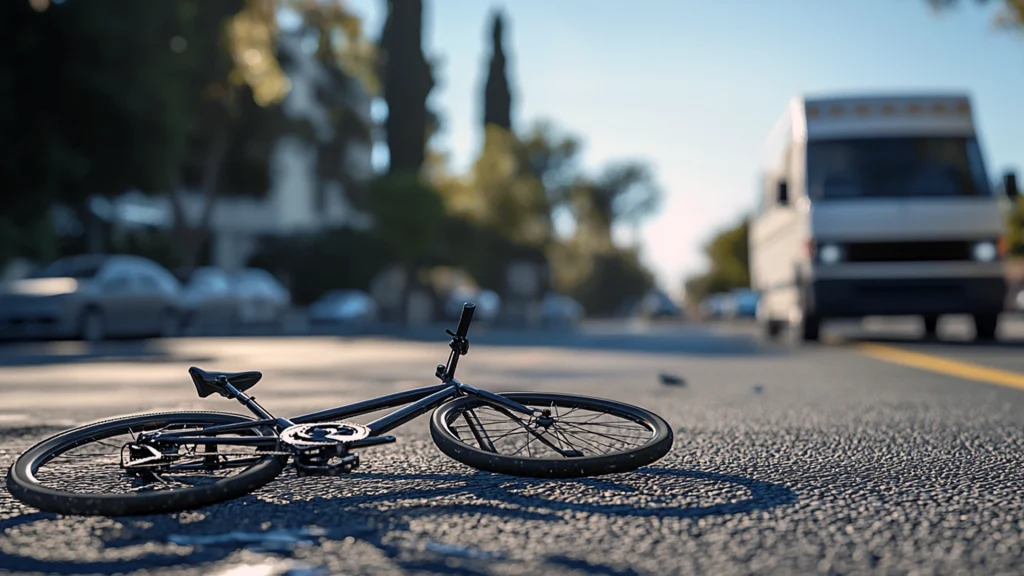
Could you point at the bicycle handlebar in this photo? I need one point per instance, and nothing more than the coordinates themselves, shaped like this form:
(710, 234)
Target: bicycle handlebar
(464, 320)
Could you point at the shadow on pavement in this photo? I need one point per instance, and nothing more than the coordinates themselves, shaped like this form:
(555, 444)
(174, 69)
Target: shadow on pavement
(381, 518)
(44, 353)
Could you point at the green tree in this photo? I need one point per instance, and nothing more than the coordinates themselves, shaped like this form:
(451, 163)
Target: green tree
(85, 108)
(624, 192)
(349, 62)
(510, 199)
(552, 157)
(1010, 15)
(231, 84)
(407, 79)
(410, 217)
(497, 96)
(728, 264)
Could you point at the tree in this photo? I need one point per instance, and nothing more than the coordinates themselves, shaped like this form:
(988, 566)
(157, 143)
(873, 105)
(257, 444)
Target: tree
(511, 200)
(728, 261)
(1009, 17)
(349, 62)
(410, 217)
(625, 192)
(497, 97)
(551, 157)
(407, 79)
(86, 106)
(232, 88)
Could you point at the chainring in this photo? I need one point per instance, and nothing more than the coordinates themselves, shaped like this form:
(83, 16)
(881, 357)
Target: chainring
(323, 434)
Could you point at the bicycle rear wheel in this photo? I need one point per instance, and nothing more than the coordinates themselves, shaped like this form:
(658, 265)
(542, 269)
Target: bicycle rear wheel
(79, 471)
(579, 436)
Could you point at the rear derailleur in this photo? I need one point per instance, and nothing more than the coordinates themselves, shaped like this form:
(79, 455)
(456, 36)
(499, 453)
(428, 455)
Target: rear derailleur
(325, 448)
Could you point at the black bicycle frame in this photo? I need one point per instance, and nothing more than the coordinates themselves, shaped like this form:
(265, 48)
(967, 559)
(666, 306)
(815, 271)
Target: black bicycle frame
(414, 404)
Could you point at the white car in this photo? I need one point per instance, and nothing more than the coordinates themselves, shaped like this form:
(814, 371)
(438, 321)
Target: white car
(209, 301)
(262, 299)
(93, 297)
(560, 310)
(488, 303)
(343, 307)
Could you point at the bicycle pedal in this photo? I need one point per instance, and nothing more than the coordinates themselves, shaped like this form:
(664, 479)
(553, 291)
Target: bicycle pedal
(346, 465)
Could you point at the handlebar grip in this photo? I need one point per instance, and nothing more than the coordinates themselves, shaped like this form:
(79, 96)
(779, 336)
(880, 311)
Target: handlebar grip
(467, 316)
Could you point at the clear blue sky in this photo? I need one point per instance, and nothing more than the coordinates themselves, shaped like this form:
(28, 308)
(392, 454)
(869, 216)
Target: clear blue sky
(693, 86)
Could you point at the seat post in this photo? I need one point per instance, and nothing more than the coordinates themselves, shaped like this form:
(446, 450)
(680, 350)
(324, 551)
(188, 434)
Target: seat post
(249, 402)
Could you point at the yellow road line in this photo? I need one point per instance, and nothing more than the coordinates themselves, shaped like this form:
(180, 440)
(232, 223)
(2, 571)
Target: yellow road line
(965, 370)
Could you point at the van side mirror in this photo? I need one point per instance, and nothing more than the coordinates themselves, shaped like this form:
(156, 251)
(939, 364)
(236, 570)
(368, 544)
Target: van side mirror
(783, 193)
(1010, 185)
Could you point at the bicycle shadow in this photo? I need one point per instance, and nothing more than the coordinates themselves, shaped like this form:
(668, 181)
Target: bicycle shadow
(380, 515)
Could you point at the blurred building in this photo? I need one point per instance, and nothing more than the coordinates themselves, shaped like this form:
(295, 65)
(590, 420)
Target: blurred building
(291, 205)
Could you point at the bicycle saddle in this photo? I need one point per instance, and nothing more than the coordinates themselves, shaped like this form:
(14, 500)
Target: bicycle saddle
(209, 382)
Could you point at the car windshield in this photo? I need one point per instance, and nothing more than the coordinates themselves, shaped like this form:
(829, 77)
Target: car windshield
(895, 167)
(78, 267)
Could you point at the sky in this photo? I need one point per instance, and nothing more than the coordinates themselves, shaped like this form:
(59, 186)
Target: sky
(693, 86)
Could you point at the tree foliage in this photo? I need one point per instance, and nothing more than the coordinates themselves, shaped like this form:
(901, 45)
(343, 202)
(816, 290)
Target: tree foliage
(511, 199)
(1010, 15)
(497, 96)
(729, 264)
(625, 192)
(409, 214)
(407, 79)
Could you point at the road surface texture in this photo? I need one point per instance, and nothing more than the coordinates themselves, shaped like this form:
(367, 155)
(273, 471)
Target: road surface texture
(880, 455)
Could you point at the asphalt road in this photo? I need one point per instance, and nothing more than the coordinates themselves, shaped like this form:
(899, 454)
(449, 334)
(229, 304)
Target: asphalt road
(871, 453)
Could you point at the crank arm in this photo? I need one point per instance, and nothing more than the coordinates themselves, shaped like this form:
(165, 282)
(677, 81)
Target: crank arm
(370, 441)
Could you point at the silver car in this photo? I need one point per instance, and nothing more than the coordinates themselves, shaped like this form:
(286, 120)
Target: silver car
(210, 303)
(92, 297)
(343, 307)
(262, 299)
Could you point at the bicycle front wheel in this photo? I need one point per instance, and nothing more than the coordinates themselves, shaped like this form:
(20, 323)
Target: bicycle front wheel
(572, 437)
(80, 471)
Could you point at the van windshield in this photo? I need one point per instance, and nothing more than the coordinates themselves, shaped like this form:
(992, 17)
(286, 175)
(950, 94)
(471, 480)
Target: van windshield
(895, 167)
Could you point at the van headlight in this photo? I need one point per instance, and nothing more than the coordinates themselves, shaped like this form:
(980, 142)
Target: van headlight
(985, 252)
(830, 253)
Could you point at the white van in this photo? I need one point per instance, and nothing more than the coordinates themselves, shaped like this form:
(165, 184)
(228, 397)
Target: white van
(877, 205)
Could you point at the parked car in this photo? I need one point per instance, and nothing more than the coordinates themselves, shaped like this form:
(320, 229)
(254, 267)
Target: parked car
(718, 305)
(488, 303)
(262, 299)
(745, 303)
(343, 307)
(657, 304)
(560, 310)
(209, 301)
(93, 297)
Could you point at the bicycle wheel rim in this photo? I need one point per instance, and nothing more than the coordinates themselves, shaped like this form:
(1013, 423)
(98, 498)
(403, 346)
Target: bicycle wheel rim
(24, 485)
(453, 446)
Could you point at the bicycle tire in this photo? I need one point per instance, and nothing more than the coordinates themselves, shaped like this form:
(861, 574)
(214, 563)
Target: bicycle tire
(622, 461)
(22, 484)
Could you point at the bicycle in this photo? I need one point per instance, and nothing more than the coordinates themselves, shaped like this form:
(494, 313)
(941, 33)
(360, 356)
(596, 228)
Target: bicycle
(159, 450)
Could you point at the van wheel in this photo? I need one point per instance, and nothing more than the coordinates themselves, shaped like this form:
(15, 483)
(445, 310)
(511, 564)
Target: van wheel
(985, 326)
(810, 328)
